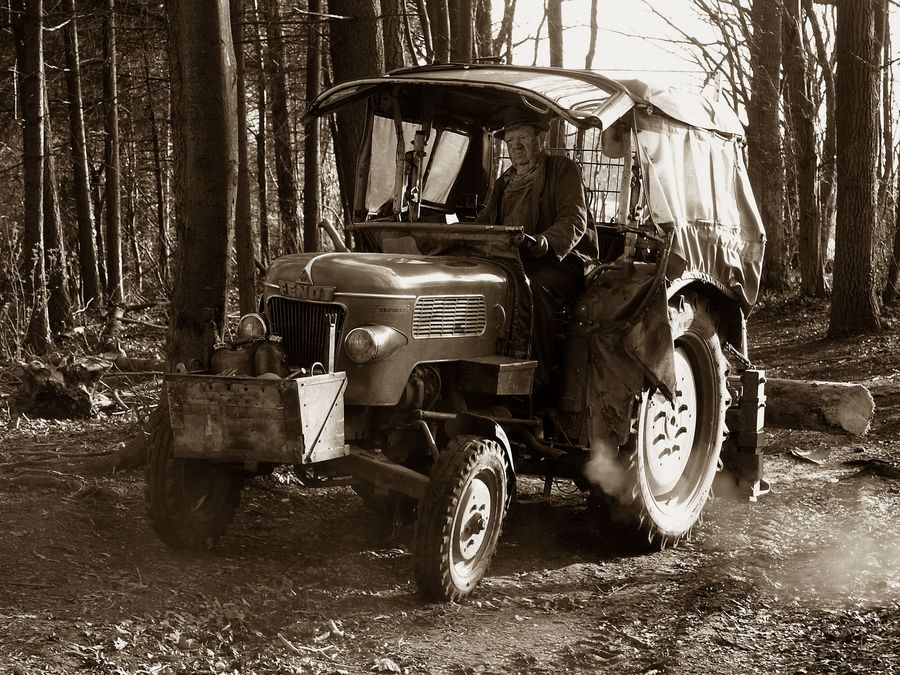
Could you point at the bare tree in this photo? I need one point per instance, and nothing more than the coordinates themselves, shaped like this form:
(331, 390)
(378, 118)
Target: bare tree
(311, 209)
(592, 44)
(484, 47)
(891, 290)
(159, 181)
(59, 301)
(765, 165)
(113, 240)
(503, 42)
(288, 202)
(356, 52)
(439, 18)
(243, 227)
(262, 186)
(29, 36)
(462, 43)
(425, 25)
(827, 156)
(205, 142)
(555, 32)
(854, 307)
(391, 33)
(84, 216)
(801, 115)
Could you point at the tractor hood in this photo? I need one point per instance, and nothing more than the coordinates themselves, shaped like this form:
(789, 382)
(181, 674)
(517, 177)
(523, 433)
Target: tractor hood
(379, 274)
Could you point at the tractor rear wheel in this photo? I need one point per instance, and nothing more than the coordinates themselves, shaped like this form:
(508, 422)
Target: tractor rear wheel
(673, 454)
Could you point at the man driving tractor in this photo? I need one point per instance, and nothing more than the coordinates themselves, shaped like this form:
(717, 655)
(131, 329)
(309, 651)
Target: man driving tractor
(544, 195)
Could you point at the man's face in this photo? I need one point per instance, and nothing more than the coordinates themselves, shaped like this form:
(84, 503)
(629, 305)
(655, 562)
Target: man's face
(524, 145)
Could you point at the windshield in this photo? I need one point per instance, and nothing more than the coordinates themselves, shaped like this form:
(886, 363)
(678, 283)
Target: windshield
(444, 150)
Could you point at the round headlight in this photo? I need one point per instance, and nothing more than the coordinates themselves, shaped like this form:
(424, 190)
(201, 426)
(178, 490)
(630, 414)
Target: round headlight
(251, 327)
(360, 345)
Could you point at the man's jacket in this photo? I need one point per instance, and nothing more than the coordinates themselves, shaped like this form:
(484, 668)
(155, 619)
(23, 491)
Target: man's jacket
(558, 208)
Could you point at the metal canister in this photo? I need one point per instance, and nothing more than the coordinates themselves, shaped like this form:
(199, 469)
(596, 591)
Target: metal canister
(270, 358)
(232, 360)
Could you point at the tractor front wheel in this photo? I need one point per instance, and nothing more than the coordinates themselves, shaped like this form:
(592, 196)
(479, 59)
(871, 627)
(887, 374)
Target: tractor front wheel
(460, 518)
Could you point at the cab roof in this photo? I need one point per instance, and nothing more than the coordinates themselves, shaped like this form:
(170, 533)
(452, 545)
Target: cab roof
(487, 94)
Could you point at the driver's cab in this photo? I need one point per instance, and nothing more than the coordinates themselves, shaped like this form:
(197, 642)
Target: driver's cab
(429, 154)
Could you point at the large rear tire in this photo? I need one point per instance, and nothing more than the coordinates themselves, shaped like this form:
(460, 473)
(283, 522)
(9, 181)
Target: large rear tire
(190, 502)
(673, 454)
(460, 518)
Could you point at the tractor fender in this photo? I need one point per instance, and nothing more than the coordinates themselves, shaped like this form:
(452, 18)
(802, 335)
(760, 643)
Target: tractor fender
(485, 426)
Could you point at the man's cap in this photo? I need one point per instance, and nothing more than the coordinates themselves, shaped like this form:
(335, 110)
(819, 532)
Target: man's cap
(519, 119)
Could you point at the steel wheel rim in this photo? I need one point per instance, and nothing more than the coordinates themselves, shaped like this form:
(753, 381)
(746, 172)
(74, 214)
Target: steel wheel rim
(671, 427)
(473, 524)
(675, 489)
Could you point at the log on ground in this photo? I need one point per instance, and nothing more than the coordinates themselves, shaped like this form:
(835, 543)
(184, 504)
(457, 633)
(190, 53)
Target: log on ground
(819, 406)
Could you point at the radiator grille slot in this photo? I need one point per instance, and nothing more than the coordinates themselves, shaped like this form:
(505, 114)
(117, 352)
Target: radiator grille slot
(445, 316)
(303, 327)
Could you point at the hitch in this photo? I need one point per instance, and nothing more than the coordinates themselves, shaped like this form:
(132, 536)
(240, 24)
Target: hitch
(742, 451)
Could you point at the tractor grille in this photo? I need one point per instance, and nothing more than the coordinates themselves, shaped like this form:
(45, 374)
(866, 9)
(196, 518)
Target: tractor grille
(447, 316)
(303, 327)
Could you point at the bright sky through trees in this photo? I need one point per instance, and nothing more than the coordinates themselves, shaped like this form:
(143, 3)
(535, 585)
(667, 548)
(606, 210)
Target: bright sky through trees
(620, 53)
(632, 40)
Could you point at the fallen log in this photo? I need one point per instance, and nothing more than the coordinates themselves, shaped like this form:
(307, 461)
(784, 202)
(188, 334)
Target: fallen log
(818, 406)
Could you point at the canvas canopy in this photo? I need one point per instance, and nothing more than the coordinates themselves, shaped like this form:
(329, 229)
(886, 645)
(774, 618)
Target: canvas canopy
(688, 147)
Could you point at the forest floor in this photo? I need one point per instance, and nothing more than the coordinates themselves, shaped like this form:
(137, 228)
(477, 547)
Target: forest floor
(806, 580)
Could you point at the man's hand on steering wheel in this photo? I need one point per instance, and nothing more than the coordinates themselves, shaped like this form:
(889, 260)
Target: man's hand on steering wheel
(537, 246)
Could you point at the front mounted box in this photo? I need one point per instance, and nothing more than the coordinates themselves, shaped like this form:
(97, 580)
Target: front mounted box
(252, 419)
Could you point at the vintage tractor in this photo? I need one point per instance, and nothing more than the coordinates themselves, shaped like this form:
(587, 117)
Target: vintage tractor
(405, 363)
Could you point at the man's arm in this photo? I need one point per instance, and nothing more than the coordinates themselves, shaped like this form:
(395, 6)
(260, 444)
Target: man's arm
(563, 203)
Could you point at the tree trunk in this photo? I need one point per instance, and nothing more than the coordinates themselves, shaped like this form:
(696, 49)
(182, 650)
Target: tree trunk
(802, 116)
(555, 32)
(113, 241)
(889, 295)
(162, 210)
(854, 307)
(827, 176)
(391, 34)
(425, 24)
(281, 132)
(765, 165)
(462, 46)
(204, 101)
(439, 18)
(59, 301)
(30, 37)
(503, 41)
(97, 172)
(886, 174)
(243, 227)
(592, 45)
(356, 52)
(87, 248)
(484, 48)
(262, 184)
(311, 155)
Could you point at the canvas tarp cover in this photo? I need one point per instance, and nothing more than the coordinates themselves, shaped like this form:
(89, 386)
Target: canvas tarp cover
(698, 192)
(630, 344)
(696, 183)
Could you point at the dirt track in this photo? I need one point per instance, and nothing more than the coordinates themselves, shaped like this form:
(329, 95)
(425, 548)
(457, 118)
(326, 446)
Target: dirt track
(806, 580)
